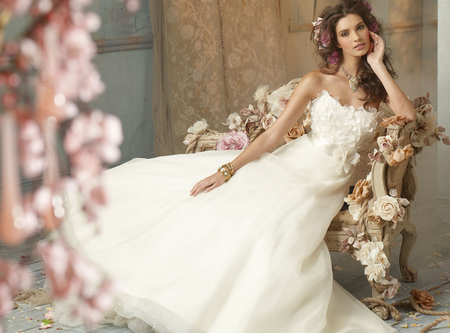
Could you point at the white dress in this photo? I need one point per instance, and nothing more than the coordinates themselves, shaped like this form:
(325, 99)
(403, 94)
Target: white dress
(247, 257)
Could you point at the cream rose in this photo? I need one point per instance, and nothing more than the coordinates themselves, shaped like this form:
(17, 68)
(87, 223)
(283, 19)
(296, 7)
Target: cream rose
(385, 143)
(268, 120)
(386, 207)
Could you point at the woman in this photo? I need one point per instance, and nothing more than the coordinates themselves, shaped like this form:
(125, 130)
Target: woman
(249, 257)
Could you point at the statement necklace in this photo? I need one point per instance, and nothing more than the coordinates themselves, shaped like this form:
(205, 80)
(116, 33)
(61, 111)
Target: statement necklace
(353, 81)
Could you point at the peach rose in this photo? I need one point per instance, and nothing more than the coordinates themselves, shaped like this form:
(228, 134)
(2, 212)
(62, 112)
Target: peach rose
(400, 155)
(295, 132)
(399, 120)
(362, 191)
(423, 298)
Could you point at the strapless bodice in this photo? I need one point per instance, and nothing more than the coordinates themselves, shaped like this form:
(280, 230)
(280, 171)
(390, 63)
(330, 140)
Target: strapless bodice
(340, 130)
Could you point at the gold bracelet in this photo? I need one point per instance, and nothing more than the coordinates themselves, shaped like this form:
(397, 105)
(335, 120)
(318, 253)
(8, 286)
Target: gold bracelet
(231, 168)
(226, 171)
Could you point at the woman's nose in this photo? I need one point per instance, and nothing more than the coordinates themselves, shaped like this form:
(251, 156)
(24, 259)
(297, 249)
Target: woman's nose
(356, 36)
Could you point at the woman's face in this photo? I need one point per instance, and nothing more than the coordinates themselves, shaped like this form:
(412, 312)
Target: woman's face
(353, 35)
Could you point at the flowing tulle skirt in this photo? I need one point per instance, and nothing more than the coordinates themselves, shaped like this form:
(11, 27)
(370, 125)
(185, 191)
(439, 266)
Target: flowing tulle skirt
(247, 257)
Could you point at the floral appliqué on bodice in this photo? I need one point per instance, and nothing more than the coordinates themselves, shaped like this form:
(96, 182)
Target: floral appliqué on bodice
(341, 130)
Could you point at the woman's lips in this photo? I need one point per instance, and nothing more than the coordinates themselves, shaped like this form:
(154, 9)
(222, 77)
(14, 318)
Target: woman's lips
(360, 46)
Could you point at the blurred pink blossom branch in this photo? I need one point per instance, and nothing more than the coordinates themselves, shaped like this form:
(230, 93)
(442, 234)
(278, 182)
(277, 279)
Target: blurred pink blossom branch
(46, 79)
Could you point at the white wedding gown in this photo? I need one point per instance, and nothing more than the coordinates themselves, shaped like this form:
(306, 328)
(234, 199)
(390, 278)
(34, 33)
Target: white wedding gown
(247, 257)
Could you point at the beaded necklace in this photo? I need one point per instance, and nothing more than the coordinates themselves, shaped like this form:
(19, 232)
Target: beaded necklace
(353, 81)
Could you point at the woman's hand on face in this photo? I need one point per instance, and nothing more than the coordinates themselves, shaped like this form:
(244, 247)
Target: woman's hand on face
(376, 50)
(208, 184)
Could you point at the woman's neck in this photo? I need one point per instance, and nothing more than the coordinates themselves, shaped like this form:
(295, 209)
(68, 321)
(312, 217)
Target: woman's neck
(352, 65)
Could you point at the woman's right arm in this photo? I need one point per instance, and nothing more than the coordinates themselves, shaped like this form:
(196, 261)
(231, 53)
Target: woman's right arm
(305, 91)
(302, 94)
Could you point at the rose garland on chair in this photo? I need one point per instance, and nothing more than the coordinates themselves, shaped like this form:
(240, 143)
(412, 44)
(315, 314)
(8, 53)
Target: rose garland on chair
(390, 208)
(250, 122)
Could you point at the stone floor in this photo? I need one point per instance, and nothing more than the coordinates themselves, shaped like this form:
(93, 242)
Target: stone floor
(430, 257)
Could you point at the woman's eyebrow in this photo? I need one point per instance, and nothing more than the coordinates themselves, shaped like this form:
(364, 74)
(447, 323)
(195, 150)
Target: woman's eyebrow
(355, 26)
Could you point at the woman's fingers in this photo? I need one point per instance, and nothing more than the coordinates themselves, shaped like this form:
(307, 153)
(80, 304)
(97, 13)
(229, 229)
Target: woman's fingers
(200, 186)
(212, 187)
(208, 184)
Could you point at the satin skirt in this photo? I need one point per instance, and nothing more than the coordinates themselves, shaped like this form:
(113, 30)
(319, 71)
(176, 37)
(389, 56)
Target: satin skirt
(247, 257)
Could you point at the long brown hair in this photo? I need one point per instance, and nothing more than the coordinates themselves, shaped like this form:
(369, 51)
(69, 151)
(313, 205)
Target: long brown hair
(331, 15)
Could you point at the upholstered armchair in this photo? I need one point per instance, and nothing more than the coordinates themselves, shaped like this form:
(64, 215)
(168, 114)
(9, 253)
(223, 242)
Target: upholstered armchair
(378, 208)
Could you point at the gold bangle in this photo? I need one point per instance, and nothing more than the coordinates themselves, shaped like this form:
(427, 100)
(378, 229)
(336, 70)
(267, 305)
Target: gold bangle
(225, 170)
(231, 168)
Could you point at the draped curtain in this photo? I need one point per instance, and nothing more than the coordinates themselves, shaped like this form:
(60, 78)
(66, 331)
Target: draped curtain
(209, 58)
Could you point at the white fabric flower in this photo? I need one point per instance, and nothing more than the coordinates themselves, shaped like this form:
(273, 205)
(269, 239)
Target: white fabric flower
(346, 159)
(375, 272)
(234, 122)
(393, 286)
(198, 127)
(378, 256)
(363, 255)
(386, 207)
(354, 209)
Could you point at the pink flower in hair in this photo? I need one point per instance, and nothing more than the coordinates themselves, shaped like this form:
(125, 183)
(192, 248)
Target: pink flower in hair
(366, 4)
(373, 27)
(325, 39)
(334, 58)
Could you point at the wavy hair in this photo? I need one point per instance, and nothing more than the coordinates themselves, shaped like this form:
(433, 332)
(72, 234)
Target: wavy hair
(326, 41)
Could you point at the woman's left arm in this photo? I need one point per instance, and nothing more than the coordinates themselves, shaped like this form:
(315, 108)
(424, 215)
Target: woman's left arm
(397, 100)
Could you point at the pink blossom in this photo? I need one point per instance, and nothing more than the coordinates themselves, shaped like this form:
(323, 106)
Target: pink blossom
(49, 315)
(132, 5)
(32, 149)
(334, 57)
(373, 27)
(234, 140)
(13, 278)
(18, 7)
(92, 21)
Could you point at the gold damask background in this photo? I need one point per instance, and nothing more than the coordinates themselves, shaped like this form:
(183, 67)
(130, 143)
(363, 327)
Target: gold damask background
(213, 55)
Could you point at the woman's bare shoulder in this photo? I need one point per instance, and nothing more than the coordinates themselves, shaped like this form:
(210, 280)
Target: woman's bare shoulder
(313, 82)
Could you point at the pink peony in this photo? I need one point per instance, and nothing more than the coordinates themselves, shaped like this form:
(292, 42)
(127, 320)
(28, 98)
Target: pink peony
(373, 27)
(234, 140)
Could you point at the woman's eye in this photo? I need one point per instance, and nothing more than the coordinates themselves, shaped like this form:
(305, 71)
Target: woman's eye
(361, 27)
(344, 34)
